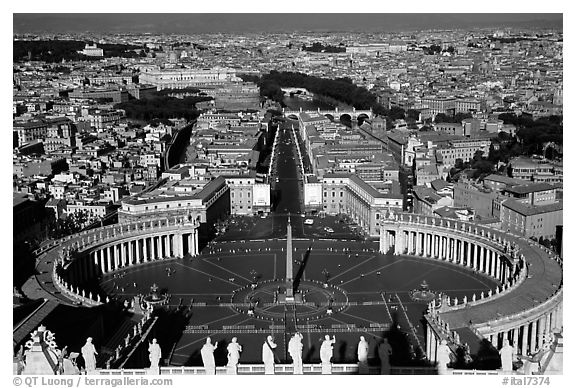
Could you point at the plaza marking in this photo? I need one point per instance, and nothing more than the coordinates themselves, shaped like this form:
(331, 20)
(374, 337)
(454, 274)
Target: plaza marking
(207, 274)
(363, 319)
(225, 269)
(274, 267)
(354, 266)
(454, 268)
(208, 323)
(376, 270)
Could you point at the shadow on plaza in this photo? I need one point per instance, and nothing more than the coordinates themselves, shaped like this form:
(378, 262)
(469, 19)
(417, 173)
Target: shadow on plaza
(302, 268)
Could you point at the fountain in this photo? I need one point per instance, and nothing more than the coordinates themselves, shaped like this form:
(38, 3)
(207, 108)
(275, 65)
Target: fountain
(154, 298)
(422, 294)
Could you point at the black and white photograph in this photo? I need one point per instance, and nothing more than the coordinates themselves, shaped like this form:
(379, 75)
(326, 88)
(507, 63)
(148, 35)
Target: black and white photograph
(266, 191)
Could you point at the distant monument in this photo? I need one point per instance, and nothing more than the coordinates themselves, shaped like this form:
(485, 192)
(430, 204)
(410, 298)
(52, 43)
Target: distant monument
(290, 296)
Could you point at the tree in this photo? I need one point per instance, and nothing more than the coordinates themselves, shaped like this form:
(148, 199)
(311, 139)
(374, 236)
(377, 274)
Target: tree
(413, 114)
(441, 118)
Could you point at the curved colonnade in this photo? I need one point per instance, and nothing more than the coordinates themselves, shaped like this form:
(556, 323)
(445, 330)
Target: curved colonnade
(85, 256)
(524, 309)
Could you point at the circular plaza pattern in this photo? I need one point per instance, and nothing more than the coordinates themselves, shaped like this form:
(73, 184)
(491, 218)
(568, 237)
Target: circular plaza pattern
(367, 293)
(318, 300)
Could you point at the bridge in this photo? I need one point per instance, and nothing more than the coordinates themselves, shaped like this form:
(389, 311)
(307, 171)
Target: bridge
(336, 113)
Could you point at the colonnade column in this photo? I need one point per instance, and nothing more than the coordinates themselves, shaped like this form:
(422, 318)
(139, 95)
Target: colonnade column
(109, 254)
(533, 337)
(130, 253)
(95, 261)
(524, 340)
(100, 254)
(117, 255)
(540, 340)
(515, 339)
(145, 248)
(153, 248)
(548, 323)
(167, 252)
(125, 254)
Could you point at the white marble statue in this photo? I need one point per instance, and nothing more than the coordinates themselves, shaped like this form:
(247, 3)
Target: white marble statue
(326, 352)
(234, 349)
(295, 347)
(507, 357)
(268, 355)
(207, 353)
(155, 353)
(363, 350)
(89, 354)
(443, 356)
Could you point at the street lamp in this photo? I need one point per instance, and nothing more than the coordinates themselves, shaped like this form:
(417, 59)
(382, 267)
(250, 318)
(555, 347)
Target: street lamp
(326, 277)
(254, 275)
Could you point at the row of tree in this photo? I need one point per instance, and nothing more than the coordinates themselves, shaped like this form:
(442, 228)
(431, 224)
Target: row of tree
(58, 50)
(534, 134)
(162, 107)
(340, 89)
(320, 48)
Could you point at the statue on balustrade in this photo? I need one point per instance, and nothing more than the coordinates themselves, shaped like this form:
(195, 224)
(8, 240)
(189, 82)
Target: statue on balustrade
(207, 353)
(295, 347)
(268, 355)
(507, 357)
(89, 354)
(155, 354)
(443, 357)
(362, 355)
(326, 352)
(384, 352)
(234, 349)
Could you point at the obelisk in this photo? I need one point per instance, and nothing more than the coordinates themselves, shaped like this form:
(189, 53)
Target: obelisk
(289, 271)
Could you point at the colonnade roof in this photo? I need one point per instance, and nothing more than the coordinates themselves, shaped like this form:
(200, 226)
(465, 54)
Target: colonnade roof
(543, 282)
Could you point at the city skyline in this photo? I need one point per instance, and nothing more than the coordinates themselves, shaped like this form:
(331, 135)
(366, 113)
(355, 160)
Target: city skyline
(365, 193)
(198, 23)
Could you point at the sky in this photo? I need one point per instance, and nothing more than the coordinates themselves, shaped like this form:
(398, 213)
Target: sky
(273, 22)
